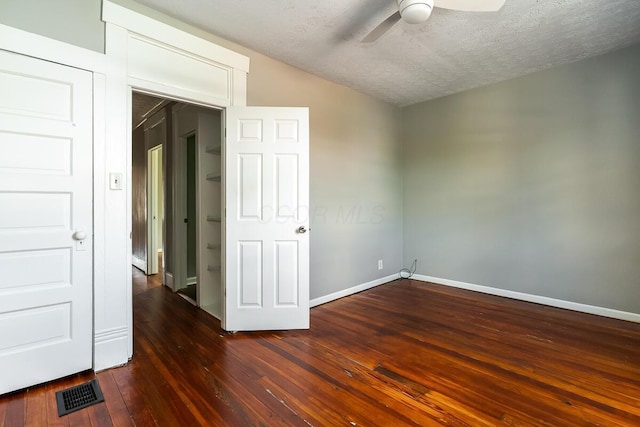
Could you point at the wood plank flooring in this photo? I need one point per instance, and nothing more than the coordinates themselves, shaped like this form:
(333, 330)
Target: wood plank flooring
(404, 353)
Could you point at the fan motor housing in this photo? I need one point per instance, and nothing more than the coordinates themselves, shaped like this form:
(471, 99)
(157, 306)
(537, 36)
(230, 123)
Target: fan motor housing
(415, 11)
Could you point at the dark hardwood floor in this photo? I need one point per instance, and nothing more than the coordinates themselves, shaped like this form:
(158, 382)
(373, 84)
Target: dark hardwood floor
(405, 353)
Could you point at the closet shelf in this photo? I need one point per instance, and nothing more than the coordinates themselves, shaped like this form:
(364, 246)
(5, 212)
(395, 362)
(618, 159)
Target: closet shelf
(213, 149)
(213, 177)
(212, 218)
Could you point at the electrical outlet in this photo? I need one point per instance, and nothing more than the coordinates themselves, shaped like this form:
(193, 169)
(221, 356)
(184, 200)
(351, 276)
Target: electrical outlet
(380, 264)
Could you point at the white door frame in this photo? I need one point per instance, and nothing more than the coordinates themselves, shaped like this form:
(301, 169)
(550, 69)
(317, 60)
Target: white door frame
(149, 56)
(179, 208)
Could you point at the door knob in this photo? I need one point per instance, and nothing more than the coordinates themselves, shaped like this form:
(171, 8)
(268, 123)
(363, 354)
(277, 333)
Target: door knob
(79, 235)
(301, 229)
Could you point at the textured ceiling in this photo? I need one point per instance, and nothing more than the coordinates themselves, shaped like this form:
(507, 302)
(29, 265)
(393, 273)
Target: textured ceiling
(451, 52)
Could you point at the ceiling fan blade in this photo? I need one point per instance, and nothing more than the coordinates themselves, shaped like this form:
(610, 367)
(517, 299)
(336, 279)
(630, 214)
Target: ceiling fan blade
(382, 28)
(471, 5)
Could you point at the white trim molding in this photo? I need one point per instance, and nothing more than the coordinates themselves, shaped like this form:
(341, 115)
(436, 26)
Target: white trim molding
(352, 290)
(137, 22)
(139, 263)
(112, 347)
(569, 305)
(173, 62)
(168, 280)
(148, 55)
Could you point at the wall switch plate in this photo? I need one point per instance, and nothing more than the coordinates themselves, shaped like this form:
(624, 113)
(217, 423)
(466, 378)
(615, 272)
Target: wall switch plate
(115, 181)
(380, 264)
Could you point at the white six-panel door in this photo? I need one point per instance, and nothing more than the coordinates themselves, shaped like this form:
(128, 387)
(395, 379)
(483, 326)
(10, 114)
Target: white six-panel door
(45, 221)
(267, 217)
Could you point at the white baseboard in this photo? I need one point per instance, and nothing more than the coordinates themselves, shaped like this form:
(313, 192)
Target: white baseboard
(168, 279)
(350, 291)
(139, 263)
(569, 305)
(111, 348)
(192, 280)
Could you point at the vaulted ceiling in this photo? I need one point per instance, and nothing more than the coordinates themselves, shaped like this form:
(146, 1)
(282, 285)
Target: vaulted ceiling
(451, 52)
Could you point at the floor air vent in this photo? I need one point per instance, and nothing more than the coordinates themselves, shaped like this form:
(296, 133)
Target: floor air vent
(78, 397)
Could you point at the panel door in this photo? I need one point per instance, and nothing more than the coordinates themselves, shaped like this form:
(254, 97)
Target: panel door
(45, 221)
(267, 217)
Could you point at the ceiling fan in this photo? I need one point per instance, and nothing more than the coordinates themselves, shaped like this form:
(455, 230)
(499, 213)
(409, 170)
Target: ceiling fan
(418, 11)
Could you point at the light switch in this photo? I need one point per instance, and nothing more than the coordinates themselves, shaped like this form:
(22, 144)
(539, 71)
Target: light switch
(115, 181)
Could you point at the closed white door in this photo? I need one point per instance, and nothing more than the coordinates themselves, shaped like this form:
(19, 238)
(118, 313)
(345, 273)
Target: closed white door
(45, 221)
(266, 224)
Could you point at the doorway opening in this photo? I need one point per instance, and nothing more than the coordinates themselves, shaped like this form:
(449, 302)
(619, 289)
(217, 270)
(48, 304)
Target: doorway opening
(177, 197)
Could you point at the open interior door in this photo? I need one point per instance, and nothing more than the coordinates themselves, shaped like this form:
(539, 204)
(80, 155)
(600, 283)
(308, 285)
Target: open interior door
(46, 208)
(267, 216)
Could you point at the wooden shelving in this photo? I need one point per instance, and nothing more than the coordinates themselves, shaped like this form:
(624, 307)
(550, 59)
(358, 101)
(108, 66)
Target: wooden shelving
(212, 255)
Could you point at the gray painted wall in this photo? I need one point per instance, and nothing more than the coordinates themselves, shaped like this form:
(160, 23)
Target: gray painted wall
(531, 185)
(75, 22)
